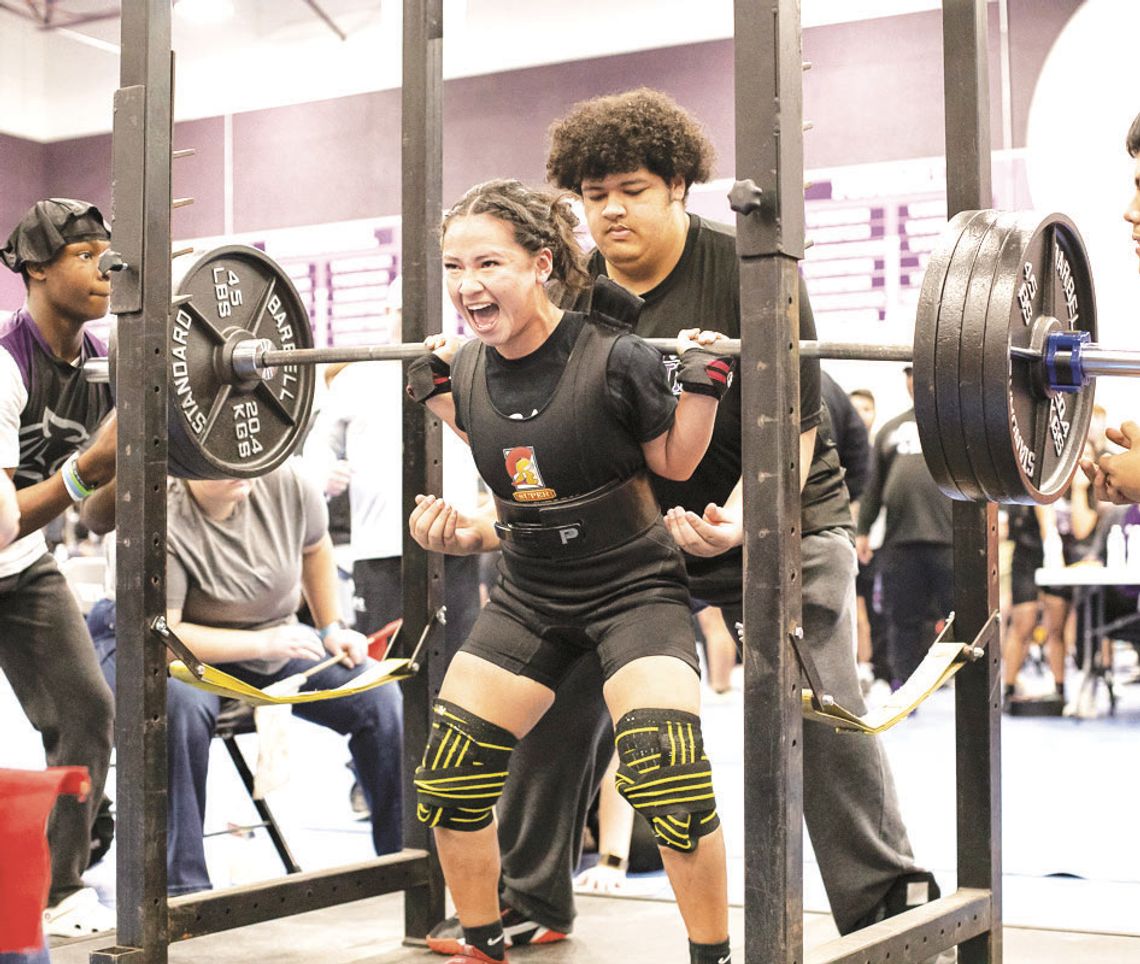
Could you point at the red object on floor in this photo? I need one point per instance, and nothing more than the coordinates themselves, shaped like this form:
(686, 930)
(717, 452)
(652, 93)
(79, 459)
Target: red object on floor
(472, 955)
(26, 800)
(381, 641)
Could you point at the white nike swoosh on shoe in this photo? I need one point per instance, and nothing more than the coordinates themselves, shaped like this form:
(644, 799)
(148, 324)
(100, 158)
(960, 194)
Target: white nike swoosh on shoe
(493, 941)
(724, 960)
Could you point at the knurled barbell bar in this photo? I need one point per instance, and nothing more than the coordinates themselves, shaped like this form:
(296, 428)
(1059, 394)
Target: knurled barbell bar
(1003, 358)
(255, 356)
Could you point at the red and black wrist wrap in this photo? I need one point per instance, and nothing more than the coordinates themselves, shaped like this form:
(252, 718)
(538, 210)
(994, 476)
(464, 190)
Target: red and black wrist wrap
(428, 376)
(704, 372)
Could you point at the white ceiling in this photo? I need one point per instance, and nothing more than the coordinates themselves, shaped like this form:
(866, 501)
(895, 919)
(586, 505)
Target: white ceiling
(59, 83)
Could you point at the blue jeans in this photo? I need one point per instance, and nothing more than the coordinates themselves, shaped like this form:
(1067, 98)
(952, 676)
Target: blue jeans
(373, 722)
(25, 957)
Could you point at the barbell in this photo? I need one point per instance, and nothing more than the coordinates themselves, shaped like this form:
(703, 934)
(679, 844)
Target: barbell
(1004, 360)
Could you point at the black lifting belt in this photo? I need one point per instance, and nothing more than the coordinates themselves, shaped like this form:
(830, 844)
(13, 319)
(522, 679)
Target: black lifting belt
(584, 526)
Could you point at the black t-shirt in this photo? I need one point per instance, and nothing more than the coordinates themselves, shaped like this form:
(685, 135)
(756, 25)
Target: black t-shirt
(521, 387)
(851, 440)
(901, 484)
(703, 290)
(1024, 529)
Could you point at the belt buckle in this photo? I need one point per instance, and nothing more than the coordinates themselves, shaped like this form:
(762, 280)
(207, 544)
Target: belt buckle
(539, 537)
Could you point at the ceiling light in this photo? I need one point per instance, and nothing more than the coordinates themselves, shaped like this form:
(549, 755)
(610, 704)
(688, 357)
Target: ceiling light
(205, 11)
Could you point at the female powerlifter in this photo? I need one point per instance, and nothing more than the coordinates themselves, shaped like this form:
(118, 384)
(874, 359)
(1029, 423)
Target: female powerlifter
(564, 412)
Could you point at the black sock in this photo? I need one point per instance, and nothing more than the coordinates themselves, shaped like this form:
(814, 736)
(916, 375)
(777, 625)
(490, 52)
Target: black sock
(710, 953)
(488, 938)
(1060, 684)
(1010, 689)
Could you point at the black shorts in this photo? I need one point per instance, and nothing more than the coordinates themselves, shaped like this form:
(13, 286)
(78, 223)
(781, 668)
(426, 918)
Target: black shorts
(865, 581)
(624, 604)
(1023, 567)
(528, 644)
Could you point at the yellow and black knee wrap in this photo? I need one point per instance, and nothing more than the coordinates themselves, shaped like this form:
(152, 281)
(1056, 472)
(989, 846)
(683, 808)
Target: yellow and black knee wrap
(665, 776)
(463, 770)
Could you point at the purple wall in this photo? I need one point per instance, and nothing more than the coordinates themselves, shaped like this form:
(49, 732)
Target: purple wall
(21, 185)
(80, 168)
(22, 172)
(875, 93)
(201, 177)
(497, 124)
(339, 159)
(332, 160)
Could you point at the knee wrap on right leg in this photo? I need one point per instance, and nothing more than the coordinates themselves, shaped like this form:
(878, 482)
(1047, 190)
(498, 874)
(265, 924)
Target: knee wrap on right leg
(463, 770)
(665, 776)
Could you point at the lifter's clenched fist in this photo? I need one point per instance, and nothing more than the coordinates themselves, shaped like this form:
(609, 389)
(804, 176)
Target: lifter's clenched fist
(440, 527)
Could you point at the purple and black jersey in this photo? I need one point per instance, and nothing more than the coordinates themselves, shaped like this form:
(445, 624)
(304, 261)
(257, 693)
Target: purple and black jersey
(62, 408)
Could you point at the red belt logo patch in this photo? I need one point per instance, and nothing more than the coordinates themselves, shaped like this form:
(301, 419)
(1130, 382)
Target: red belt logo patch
(522, 470)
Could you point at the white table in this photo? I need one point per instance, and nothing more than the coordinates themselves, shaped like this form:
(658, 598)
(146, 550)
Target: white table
(1092, 580)
(1088, 575)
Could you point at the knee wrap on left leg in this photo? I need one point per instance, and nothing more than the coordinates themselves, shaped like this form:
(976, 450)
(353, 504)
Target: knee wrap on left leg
(463, 770)
(665, 776)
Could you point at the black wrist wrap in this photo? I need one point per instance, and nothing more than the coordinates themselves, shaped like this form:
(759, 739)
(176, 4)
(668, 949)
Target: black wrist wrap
(705, 373)
(428, 376)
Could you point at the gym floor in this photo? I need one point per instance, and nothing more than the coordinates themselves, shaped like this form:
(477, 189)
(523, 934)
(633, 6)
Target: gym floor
(1071, 851)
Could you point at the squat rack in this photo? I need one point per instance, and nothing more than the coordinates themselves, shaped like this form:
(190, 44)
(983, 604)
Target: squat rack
(769, 199)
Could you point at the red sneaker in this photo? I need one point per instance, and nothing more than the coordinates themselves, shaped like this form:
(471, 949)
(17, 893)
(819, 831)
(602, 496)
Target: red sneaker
(447, 936)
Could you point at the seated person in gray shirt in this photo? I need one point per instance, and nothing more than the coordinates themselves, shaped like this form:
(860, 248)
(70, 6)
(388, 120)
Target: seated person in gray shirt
(240, 554)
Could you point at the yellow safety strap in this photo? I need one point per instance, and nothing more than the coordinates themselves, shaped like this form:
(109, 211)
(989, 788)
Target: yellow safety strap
(216, 681)
(942, 661)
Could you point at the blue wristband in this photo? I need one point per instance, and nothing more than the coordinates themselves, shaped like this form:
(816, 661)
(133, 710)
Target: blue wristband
(77, 489)
(336, 624)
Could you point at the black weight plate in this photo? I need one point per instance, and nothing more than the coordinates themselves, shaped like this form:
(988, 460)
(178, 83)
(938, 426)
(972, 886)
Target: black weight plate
(219, 428)
(971, 373)
(950, 351)
(925, 341)
(195, 387)
(946, 423)
(1035, 438)
(999, 365)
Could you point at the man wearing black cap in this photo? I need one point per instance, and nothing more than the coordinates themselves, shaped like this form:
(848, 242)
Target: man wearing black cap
(56, 454)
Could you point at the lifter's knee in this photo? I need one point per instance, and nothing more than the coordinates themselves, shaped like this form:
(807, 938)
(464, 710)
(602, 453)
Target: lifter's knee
(665, 776)
(463, 770)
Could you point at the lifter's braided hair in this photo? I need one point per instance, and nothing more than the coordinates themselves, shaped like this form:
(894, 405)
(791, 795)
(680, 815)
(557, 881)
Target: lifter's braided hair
(619, 133)
(540, 219)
